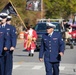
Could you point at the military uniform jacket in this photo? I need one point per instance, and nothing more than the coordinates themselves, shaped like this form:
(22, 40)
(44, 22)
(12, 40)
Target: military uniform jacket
(3, 39)
(13, 36)
(51, 46)
(11, 31)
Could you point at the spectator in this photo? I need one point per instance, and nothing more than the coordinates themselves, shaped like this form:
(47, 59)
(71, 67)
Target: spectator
(66, 25)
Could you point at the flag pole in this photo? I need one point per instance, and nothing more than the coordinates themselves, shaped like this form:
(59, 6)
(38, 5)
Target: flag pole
(17, 14)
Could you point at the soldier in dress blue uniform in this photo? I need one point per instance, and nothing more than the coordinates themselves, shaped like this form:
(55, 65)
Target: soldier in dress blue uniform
(13, 44)
(8, 54)
(13, 31)
(52, 47)
(3, 38)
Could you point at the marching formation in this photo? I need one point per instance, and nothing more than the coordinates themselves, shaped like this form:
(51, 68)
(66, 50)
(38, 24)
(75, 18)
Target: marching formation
(8, 39)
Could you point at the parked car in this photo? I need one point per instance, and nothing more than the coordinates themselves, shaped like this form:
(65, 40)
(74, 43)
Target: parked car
(41, 29)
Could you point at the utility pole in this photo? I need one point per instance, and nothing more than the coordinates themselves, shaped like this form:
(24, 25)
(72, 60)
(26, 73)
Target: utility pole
(41, 9)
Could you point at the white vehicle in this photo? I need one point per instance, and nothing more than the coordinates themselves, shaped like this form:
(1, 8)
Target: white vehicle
(50, 20)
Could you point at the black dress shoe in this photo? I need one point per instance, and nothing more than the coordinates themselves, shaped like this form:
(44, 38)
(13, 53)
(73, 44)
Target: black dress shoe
(32, 55)
(29, 54)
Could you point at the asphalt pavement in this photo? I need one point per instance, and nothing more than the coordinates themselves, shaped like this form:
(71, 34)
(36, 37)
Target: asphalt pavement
(33, 68)
(24, 65)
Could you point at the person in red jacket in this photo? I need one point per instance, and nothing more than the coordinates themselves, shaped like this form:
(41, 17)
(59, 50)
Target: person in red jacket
(30, 39)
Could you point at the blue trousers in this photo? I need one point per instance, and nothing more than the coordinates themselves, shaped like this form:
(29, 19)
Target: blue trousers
(8, 63)
(52, 68)
(1, 65)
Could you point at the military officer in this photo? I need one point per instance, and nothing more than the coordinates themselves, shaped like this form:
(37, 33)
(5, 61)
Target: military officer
(13, 44)
(3, 38)
(8, 54)
(13, 31)
(52, 47)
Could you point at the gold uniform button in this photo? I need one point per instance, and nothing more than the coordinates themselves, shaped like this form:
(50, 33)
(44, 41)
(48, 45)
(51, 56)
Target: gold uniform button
(49, 47)
(49, 44)
(49, 41)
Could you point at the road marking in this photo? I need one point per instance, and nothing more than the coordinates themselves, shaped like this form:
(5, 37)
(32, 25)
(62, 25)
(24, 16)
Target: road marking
(40, 66)
(37, 67)
(61, 67)
(15, 66)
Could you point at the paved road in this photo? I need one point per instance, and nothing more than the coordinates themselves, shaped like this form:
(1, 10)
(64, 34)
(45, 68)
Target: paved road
(24, 65)
(34, 68)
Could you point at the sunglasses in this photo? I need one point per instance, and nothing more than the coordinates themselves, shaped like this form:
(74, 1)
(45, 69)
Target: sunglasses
(48, 27)
(9, 19)
(3, 17)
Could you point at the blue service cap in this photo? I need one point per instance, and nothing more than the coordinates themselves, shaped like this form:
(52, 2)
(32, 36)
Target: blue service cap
(3, 15)
(50, 25)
